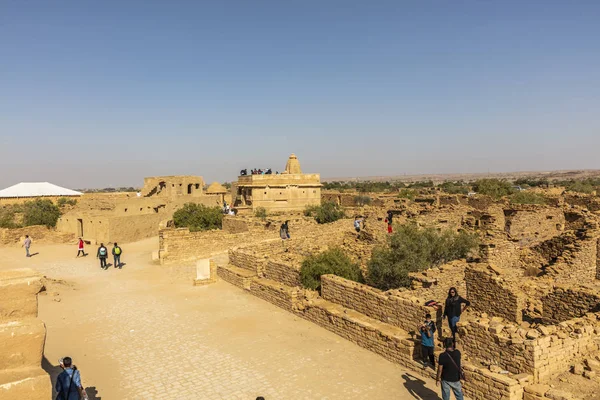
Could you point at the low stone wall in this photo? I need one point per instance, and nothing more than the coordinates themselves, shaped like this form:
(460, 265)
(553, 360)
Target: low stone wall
(247, 259)
(533, 223)
(565, 303)
(275, 293)
(488, 293)
(234, 225)
(404, 313)
(283, 273)
(577, 262)
(37, 233)
(482, 384)
(239, 277)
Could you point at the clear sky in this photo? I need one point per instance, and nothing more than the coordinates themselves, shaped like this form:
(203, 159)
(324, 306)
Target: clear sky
(103, 93)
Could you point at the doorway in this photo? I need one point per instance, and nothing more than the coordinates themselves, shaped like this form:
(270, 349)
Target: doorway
(80, 228)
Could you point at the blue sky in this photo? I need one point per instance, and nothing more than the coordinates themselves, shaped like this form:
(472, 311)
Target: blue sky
(103, 93)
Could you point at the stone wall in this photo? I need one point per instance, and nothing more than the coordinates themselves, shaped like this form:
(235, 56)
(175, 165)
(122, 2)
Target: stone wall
(286, 273)
(275, 293)
(577, 262)
(500, 252)
(133, 228)
(531, 223)
(22, 337)
(565, 303)
(37, 233)
(434, 283)
(405, 313)
(488, 293)
(234, 225)
(483, 384)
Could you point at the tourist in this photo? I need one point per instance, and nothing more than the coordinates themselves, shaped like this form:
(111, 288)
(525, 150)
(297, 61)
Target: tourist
(453, 309)
(427, 331)
(27, 245)
(68, 383)
(449, 371)
(80, 247)
(116, 252)
(357, 224)
(102, 254)
(389, 220)
(284, 231)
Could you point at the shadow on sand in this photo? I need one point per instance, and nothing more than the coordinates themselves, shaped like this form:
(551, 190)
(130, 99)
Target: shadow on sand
(417, 389)
(53, 371)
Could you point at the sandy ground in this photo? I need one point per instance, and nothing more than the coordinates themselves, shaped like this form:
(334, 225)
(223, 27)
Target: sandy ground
(144, 332)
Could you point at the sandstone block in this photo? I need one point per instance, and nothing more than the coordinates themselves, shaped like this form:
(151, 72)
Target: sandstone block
(532, 334)
(22, 343)
(18, 290)
(25, 384)
(556, 394)
(538, 389)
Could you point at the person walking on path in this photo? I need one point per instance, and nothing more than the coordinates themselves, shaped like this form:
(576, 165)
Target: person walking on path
(357, 225)
(427, 331)
(116, 252)
(68, 383)
(453, 309)
(27, 245)
(389, 220)
(449, 371)
(284, 231)
(80, 248)
(102, 254)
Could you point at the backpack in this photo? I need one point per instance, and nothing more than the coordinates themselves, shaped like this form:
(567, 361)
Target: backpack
(102, 251)
(117, 250)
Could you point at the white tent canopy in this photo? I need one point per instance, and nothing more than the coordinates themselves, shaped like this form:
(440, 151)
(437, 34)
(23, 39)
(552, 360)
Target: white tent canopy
(36, 189)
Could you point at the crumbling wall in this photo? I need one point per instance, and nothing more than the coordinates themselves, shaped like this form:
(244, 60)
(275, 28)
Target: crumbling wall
(234, 225)
(565, 303)
(500, 252)
(405, 313)
(489, 293)
(576, 262)
(286, 273)
(434, 283)
(531, 223)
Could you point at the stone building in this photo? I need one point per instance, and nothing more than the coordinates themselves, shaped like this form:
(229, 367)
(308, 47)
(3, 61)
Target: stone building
(101, 218)
(290, 190)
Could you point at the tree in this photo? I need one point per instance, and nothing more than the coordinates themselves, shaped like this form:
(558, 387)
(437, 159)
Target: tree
(333, 261)
(411, 249)
(325, 213)
(495, 188)
(198, 217)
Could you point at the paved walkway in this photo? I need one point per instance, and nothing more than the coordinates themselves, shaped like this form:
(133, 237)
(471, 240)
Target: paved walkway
(143, 332)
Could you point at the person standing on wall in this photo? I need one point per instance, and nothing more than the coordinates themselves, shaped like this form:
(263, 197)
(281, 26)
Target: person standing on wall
(450, 371)
(102, 254)
(80, 248)
(116, 252)
(453, 309)
(27, 245)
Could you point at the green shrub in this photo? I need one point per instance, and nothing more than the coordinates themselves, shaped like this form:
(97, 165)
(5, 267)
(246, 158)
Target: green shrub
(40, 212)
(327, 212)
(581, 187)
(454, 187)
(421, 185)
(495, 188)
(260, 212)
(362, 200)
(198, 217)
(309, 211)
(333, 261)
(528, 198)
(64, 201)
(411, 249)
(7, 217)
(408, 194)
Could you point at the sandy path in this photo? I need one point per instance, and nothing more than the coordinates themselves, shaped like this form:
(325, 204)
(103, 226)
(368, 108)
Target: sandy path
(144, 332)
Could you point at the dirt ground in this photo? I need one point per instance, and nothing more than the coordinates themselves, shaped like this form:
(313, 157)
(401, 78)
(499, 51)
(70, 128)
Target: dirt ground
(144, 332)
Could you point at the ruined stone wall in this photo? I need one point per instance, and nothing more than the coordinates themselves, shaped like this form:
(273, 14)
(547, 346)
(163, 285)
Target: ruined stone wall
(234, 225)
(490, 294)
(405, 313)
(133, 228)
(22, 337)
(286, 273)
(499, 252)
(482, 384)
(577, 262)
(434, 283)
(592, 203)
(37, 233)
(95, 227)
(531, 223)
(344, 199)
(565, 303)
(275, 293)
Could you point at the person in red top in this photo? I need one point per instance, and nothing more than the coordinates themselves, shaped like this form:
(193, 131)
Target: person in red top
(80, 248)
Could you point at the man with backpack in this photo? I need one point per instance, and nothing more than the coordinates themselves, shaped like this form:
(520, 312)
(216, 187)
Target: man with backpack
(68, 383)
(116, 252)
(450, 371)
(102, 254)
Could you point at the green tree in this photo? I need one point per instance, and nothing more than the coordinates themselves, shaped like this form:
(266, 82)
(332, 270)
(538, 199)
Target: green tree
(410, 249)
(495, 188)
(260, 212)
(528, 198)
(198, 217)
(40, 212)
(333, 261)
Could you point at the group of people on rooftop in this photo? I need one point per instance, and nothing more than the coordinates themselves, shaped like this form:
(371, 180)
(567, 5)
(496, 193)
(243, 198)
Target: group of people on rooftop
(258, 171)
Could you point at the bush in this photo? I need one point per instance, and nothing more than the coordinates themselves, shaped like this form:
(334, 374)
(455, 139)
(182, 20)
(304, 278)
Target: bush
(408, 194)
(581, 187)
(411, 249)
(495, 188)
(328, 212)
(528, 198)
(64, 201)
(309, 211)
(454, 187)
(260, 212)
(40, 212)
(362, 200)
(7, 217)
(333, 261)
(198, 217)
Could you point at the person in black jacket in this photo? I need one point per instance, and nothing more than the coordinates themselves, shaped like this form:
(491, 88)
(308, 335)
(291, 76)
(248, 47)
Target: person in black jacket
(454, 308)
